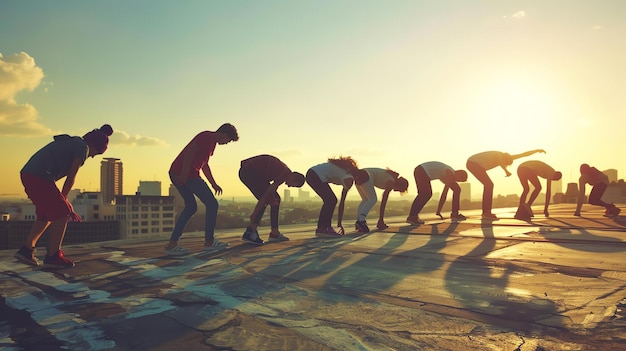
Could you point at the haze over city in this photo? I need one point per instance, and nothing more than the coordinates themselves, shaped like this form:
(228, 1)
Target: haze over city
(392, 84)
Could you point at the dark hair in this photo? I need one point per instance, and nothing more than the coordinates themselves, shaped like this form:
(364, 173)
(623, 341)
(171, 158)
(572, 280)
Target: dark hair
(229, 130)
(298, 179)
(403, 184)
(345, 162)
(99, 138)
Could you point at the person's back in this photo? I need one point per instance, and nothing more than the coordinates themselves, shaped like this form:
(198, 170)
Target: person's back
(593, 176)
(53, 161)
(540, 168)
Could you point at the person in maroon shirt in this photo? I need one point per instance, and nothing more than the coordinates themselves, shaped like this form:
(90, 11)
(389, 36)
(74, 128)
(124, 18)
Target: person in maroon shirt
(185, 175)
(599, 182)
(263, 174)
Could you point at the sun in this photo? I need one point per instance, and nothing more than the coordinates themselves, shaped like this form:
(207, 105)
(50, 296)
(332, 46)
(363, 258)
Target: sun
(515, 109)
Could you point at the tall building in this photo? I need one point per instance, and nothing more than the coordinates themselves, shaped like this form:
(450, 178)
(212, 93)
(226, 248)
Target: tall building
(303, 195)
(149, 187)
(110, 179)
(287, 196)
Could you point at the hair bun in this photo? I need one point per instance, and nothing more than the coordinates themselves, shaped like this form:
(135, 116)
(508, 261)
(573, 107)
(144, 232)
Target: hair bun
(106, 129)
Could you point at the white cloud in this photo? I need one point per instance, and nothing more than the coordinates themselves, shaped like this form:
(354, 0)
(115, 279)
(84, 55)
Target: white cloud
(123, 138)
(519, 14)
(19, 72)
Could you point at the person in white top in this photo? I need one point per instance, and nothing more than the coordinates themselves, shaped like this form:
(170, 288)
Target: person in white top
(381, 178)
(480, 163)
(529, 173)
(424, 174)
(341, 171)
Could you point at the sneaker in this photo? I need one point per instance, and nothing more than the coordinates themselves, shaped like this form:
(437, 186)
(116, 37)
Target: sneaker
(57, 260)
(612, 211)
(415, 220)
(457, 217)
(177, 251)
(361, 227)
(279, 238)
(328, 232)
(217, 245)
(26, 255)
(252, 236)
(490, 216)
(382, 226)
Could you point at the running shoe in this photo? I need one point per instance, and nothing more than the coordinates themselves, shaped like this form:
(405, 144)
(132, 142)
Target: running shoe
(279, 238)
(252, 237)
(177, 251)
(217, 245)
(361, 227)
(612, 211)
(327, 232)
(57, 260)
(457, 217)
(26, 255)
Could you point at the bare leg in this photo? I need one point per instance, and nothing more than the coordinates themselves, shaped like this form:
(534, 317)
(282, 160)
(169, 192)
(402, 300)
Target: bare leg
(39, 227)
(57, 233)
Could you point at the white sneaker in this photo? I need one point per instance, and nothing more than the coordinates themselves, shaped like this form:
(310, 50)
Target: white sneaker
(177, 251)
(217, 245)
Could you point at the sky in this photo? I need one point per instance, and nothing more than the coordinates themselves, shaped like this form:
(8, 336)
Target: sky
(390, 83)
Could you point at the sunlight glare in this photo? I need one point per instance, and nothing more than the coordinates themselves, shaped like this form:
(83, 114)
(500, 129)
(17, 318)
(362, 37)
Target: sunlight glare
(516, 108)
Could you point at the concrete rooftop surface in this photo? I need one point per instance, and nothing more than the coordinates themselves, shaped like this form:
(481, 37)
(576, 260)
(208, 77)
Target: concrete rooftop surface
(554, 283)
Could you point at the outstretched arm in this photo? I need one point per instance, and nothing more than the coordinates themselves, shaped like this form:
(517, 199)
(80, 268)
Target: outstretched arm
(527, 153)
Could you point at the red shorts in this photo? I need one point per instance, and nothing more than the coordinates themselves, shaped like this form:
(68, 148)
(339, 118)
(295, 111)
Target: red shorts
(50, 204)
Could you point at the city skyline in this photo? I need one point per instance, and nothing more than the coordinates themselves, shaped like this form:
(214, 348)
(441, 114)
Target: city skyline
(391, 84)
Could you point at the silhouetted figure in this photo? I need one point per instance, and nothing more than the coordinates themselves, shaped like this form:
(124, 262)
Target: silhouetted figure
(263, 174)
(599, 182)
(529, 173)
(185, 175)
(424, 174)
(480, 163)
(385, 179)
(341, 171)
(60, 158)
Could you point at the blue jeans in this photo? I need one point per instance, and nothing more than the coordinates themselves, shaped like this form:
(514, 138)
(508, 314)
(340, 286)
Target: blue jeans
(196, 187)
